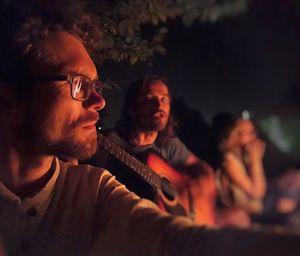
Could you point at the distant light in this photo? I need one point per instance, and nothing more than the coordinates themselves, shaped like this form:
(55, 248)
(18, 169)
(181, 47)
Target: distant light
(245, 114)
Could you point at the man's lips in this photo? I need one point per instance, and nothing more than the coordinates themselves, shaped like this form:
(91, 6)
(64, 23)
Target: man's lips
(159, 114)
(89, 125)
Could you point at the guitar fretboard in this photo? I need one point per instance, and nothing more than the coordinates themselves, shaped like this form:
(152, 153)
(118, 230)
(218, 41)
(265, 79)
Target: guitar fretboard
(144, 171)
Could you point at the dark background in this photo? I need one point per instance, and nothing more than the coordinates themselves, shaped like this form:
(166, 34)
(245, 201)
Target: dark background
(246, 62)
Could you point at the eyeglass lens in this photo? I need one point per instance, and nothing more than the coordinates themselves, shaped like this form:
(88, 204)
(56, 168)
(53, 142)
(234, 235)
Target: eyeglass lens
(82, 86)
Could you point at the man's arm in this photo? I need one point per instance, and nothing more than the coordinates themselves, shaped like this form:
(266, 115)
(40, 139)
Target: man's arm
(203, 190)
(198, 167)
(131, 226)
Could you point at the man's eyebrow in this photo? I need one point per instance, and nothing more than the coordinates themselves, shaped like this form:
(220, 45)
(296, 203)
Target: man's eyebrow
(86, 75)
(165, 94)
(96, 78)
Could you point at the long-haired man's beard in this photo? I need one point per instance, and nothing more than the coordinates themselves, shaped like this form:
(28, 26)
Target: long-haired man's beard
(159, 126)
(154, 125)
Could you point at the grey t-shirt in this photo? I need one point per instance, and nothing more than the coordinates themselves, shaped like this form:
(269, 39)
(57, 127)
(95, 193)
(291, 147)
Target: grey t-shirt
(175, 152)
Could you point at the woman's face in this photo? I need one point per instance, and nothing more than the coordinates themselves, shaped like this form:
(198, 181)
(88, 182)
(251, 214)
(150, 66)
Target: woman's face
(243, 133)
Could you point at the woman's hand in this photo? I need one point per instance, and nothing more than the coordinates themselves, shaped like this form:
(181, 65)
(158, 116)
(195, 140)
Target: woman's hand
(255, 150)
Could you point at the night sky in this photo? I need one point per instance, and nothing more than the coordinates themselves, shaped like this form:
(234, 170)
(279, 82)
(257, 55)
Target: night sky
(246, 62)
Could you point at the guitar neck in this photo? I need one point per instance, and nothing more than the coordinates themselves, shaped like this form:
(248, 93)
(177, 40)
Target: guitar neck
(144, 171)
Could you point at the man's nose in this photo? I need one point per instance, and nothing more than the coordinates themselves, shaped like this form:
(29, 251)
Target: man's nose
(96, 101)
(157, 102)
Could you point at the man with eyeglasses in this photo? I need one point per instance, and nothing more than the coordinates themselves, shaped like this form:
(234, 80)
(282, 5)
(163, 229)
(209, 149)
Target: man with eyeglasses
(49, 103)
(50, 100)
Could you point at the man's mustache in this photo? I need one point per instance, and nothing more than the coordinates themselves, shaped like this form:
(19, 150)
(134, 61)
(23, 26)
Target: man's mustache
(87, 118)
(160, 111)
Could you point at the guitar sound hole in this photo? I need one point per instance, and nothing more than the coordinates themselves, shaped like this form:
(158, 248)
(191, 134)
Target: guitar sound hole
(168, 189)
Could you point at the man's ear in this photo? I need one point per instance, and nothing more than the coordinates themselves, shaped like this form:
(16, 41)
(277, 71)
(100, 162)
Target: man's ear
(9, 107)
(132, 115)
(8, 102)
(131, 112)
(10, 110)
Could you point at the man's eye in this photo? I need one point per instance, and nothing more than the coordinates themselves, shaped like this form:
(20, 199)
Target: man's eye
(77, 83)
(165, 99)
(99, 89)
(147, 98)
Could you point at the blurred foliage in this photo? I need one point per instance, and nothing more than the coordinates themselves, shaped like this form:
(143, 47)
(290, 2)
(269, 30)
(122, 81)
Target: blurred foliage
(284, 132)
(126, 23)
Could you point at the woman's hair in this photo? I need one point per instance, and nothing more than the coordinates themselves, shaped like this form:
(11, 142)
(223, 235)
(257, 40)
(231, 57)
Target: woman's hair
(128, 122)
(222, 126)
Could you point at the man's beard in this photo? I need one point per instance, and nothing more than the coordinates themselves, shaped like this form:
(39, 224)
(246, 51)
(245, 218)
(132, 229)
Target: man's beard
(159, 126)
(155, 125)
(70, 148)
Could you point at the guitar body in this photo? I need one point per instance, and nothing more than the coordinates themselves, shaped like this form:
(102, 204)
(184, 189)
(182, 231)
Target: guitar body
(173, 191)
(176, 179)
(195, 195)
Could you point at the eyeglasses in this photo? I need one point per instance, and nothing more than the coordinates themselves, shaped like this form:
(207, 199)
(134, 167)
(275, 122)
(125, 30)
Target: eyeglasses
(81, 86)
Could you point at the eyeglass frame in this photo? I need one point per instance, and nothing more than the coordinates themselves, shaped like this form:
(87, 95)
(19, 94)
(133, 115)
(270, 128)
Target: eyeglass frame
(68, 78)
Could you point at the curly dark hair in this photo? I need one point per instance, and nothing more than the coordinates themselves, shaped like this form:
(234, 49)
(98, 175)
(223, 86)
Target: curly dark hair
(25, 22)
(127, 124)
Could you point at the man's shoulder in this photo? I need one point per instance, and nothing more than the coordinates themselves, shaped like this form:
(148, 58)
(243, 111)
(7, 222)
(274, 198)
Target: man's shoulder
(83, 174)
(173, 141)
(114, 136)
(110, 132)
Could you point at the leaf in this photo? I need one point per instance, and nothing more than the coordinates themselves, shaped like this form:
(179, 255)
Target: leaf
(114, 55)
(124, 23)
(108, 41)
(163, 30)
(133, 60)
(123, 28)
(128, 39)
(162, 16)
(160, 49)
(130, 30)
(154, 20)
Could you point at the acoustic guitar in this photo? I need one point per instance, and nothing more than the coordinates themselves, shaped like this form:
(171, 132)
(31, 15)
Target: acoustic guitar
(176, 193)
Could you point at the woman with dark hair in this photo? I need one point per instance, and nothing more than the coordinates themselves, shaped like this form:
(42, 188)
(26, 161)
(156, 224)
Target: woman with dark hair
(241, 181)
